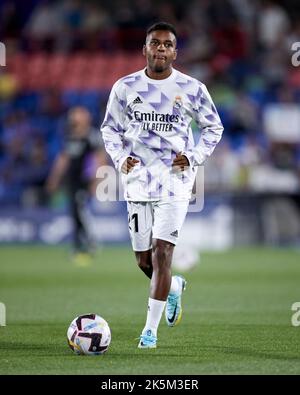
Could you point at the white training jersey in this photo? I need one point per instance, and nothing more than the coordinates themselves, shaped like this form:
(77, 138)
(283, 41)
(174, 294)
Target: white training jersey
(150, 120)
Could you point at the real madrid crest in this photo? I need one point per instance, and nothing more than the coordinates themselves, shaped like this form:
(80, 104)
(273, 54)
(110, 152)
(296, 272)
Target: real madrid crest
(177, 102)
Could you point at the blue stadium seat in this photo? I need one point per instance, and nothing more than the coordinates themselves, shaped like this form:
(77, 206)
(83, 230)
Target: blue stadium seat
(71, 98)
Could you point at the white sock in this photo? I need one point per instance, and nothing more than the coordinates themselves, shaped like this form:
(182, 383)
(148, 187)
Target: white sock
(175, 287)
(155, 310)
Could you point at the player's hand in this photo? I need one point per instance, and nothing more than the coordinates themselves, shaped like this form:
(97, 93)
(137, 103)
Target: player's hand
(128, 165)
(181, 162)
(51, 186)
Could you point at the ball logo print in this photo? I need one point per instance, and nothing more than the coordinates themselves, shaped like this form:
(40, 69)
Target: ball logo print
(110, 188)
(296, 56)
(2, 314)
(296, 316)
(197, 197)
(2, 54)
(89, 334)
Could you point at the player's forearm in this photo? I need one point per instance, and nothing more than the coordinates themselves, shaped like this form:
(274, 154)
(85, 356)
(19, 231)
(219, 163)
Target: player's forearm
(114, 146)
(112, 129)
(209, 139)
(58, 170)
(208, 119)
(101, 158)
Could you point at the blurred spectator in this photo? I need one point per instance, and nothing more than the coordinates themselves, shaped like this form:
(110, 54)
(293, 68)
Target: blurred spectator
(223, 171)
(96, 19)
(25, 163)
(8, 86)
(10, 21)
(44, 24)
(35, 172)
(244, 115)
(245, 10)
(273, 23)
(12, 183)
(124, 14)
(145, 13)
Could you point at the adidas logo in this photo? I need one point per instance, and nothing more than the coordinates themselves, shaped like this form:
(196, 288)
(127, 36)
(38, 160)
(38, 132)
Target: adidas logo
(137, 100)
(175, 233)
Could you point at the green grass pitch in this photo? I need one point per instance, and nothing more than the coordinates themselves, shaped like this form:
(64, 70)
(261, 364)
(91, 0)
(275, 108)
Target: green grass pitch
(236, 318)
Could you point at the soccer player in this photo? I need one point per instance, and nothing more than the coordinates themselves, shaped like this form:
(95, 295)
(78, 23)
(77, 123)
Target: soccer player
(82, 145)
(147, 133)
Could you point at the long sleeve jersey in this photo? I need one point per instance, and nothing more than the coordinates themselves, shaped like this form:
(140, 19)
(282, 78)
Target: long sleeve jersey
(150, 120)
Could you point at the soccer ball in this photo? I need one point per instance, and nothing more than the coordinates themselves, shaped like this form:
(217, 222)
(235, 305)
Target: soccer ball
(185, 258)
(89, 334)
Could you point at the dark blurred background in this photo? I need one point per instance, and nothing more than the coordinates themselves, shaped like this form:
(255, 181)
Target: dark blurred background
(60, 54)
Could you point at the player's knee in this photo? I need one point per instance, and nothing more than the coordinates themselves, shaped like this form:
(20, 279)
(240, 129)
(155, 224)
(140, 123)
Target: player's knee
(162, 253)
(144, 260)
(142, 264)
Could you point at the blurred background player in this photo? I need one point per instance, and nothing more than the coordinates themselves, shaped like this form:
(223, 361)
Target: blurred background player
(83, 151)
(147, 133)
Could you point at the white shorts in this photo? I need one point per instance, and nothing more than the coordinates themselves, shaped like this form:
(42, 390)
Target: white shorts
(155, 220)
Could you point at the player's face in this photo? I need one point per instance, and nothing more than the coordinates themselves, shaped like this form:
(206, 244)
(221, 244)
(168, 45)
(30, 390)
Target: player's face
(79, 121)
(160, 50)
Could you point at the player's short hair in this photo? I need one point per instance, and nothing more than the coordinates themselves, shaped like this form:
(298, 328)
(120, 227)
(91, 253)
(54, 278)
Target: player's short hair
(162, 26)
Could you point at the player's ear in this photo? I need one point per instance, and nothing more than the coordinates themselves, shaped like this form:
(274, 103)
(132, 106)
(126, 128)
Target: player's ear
(144, 49)
(175, 54)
